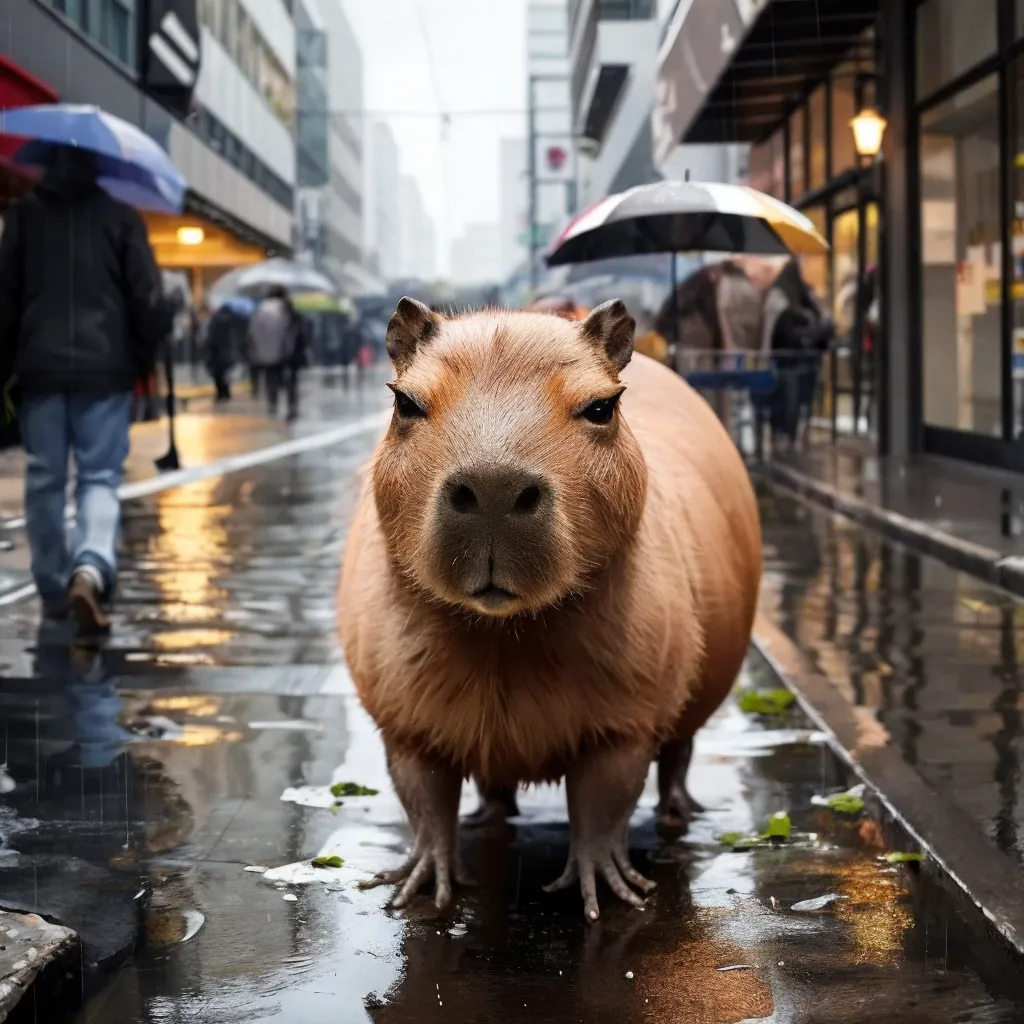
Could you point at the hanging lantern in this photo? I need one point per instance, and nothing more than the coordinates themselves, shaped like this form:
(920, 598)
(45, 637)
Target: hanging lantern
(868, 130)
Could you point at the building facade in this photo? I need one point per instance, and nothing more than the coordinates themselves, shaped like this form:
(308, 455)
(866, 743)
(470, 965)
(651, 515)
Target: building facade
(613, 44)
(329, 147)
(929, 232)
(383, 196)
(476, 256)
(212, 83)
(550, 151)
(417, 233)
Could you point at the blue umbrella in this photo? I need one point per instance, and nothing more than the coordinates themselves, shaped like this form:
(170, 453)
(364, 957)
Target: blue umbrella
(240, 305)
(132, 166)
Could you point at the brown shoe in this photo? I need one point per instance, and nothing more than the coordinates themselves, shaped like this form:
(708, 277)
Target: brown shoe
(86, 606)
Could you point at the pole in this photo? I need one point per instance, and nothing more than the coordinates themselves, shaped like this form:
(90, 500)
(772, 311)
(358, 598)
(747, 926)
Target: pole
(673, 300)
(531, 165)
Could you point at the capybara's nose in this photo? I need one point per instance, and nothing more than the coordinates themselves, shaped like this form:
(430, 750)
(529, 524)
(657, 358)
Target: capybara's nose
(494, 492)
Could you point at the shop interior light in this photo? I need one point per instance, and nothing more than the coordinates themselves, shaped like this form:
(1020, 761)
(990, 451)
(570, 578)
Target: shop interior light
(868, 129)
(191, 236)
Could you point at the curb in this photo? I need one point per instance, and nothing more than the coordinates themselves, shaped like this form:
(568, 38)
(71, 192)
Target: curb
(980, 876)
(974, 559)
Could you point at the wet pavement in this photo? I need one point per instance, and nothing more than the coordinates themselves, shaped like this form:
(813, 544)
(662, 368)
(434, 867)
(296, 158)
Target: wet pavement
(142, 782)
(977, 505)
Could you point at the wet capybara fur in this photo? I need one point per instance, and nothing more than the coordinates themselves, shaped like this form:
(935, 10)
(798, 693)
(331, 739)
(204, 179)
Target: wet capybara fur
(552, 573)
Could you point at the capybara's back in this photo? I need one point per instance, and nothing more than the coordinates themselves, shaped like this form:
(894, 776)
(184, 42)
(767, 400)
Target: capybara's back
(552, 573)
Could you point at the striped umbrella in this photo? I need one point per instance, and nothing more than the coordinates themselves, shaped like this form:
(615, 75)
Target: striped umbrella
(686, 216)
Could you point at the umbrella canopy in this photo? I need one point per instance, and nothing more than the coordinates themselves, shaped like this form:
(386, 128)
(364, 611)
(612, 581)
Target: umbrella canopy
(316, 302)
(132, 166)
(240, 305)
(686, 216)
(258, 277)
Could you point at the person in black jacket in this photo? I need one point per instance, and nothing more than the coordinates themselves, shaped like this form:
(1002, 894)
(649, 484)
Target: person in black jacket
(82, 315)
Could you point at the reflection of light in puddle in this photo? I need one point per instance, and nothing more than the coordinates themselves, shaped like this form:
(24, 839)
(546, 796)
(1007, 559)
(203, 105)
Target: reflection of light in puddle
(170, 659)
(184, 639)
(193, 922)
(193, 706)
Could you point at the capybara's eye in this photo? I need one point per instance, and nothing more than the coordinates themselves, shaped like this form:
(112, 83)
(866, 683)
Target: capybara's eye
(601, 411)
(407, 408)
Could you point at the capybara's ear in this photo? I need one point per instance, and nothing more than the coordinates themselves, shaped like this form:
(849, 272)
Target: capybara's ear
(410, 325)
(611, 326)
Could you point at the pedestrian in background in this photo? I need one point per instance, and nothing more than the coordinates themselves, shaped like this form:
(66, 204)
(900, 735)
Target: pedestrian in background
(220, 350)
(275, 348)
(82, 315)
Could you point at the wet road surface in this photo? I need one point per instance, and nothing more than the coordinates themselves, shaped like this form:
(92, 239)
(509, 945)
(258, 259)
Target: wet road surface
(201, 742)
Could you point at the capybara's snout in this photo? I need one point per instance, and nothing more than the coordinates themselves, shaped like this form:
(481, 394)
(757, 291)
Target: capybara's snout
(494, 532)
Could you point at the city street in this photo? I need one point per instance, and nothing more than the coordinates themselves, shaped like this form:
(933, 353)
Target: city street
(155, 781)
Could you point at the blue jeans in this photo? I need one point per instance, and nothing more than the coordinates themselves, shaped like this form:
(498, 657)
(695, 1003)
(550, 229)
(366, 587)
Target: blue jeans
(95, 428)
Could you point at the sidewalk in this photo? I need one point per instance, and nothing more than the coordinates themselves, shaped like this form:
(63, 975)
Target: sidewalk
(970, 517)
(914, 669)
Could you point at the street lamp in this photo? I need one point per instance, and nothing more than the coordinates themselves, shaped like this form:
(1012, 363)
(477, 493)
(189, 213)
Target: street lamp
(868, 129)
(191, 235)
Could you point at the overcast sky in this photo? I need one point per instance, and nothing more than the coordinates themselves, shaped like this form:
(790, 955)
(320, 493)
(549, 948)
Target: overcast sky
(479, 58)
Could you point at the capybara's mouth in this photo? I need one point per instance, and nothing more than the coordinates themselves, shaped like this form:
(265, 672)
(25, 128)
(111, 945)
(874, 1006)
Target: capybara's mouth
(493, 598)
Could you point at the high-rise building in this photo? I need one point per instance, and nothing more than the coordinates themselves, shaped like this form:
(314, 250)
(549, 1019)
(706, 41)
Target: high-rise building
(382, 197)
(513, 205)
(329, 206)
(550, 162)
(417, 234)
(476, 255)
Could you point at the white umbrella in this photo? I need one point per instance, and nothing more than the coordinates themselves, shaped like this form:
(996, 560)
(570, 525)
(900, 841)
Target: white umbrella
(258, 277)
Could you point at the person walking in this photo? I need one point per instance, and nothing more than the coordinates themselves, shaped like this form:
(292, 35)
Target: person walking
(82, 315)
(220, 350)
(275, 348)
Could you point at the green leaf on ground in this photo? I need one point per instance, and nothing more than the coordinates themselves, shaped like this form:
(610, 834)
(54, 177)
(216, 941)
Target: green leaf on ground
(845, 803)
(327, 862)
(340, 789)
(904, 858)
(730, 838)
(766, 702)
(779, 826)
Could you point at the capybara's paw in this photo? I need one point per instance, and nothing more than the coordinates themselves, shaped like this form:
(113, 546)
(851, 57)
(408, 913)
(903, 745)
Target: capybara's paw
(610, 860)
(676, 810)
(496, 806)
(428, 859)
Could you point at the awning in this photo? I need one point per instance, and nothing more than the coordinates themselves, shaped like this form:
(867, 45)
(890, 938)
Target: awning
(731, 70)
(18, 88)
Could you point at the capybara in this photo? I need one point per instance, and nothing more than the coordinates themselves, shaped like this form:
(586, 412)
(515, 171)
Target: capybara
(542, 581)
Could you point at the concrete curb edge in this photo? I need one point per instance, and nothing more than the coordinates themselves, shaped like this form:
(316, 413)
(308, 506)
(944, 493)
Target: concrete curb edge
(965, 556)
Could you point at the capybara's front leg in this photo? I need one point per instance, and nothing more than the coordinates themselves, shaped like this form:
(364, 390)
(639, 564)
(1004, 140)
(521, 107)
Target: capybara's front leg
(603, 788)
(675, 805)
(496, 804)
(429, 792)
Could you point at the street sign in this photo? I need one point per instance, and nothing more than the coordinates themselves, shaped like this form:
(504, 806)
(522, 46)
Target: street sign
(541, 235)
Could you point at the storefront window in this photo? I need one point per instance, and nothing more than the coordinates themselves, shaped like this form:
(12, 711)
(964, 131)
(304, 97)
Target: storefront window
(818, 143)
(815, 268)
(844, 107)
(768, 166)
(961, 261)
(797, 164)
(760, 174)
(1016, 77)
(778, 144)
(952, 36)
(844, 274)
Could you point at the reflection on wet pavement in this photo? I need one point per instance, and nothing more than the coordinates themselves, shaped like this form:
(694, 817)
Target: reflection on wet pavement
(936, 654)
(149, 779)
